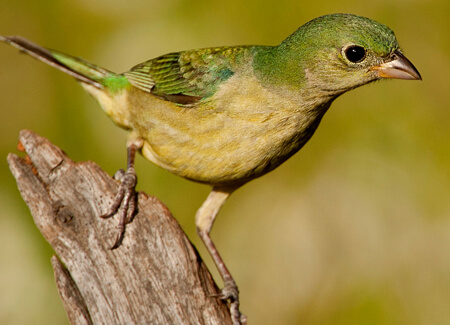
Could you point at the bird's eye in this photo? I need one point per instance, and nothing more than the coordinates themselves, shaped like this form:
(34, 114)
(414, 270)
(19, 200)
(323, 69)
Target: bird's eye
(355, 53)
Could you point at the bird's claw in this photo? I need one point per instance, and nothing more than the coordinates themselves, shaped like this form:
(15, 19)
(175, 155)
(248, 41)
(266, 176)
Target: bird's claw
(230, 292)
(124, 204)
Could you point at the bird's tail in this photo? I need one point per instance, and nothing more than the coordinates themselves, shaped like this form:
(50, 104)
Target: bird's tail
(80, 69)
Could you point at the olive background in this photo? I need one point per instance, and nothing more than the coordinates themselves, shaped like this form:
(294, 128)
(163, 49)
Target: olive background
(354, 229)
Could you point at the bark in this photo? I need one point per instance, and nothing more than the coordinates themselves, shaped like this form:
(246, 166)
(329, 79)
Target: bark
(155, 277)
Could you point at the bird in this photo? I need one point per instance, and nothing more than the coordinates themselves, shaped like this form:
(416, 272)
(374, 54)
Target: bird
(223, 116)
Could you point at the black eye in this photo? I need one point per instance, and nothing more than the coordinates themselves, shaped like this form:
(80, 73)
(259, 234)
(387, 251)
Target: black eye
(355, 53)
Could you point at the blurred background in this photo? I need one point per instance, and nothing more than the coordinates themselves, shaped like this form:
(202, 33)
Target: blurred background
(354, 229)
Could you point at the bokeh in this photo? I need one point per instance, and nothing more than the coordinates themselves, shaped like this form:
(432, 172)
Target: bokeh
(354, 229)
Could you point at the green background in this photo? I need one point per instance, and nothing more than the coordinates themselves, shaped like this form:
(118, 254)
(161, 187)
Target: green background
(354, 229)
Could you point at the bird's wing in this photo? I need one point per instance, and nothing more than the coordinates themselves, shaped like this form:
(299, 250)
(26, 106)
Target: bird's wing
(185, 77)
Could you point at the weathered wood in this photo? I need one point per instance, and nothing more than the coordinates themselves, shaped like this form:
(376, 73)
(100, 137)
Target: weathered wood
(155, 276)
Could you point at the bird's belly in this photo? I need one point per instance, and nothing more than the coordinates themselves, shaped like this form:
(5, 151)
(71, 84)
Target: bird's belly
(212, 159)
(217, 160)
(223, 150)
(221, 146)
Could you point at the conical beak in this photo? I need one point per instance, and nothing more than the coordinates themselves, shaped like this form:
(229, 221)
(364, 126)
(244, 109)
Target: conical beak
(399, 67)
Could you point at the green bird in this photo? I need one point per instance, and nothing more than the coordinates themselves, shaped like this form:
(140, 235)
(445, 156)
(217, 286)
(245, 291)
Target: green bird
(223, 116)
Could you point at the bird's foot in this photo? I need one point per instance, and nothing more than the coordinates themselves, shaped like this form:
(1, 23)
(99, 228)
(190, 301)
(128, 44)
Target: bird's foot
(230, 292)
(124, 204)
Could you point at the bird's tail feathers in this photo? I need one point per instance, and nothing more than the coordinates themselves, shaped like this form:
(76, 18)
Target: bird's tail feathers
(80, 69)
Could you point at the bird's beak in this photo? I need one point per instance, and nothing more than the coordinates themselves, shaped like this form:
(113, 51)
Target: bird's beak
(398, 67)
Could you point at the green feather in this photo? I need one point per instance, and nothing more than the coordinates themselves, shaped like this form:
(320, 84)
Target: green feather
(196, 74)
(312, 49)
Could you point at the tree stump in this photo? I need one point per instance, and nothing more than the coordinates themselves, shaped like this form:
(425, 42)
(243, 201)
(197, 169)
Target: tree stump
(155, 277)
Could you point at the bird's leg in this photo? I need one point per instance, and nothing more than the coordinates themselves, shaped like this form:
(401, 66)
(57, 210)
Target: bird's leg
(124, 203)
(204, 220)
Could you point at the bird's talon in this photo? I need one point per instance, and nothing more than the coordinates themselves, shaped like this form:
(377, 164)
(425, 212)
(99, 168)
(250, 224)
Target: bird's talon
(119, 175)
(226, 295)
(230, 293)
(124, 204)
(118, 240)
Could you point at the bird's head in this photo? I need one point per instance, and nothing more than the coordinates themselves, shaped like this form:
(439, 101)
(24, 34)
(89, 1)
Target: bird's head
(333, 54)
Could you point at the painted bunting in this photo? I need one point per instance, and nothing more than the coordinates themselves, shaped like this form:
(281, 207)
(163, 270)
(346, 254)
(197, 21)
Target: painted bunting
(226, 115)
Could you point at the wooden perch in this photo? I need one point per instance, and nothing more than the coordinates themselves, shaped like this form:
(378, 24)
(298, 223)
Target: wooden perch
(155, 277)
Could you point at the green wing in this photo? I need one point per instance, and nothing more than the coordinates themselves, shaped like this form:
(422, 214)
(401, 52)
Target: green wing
(186, 77)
